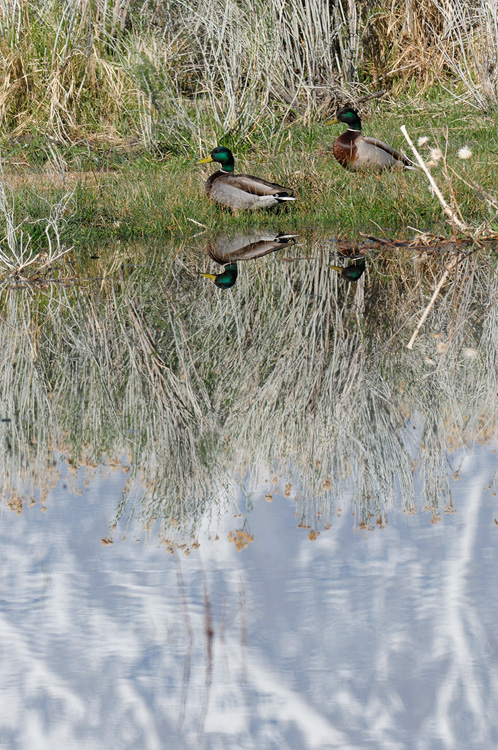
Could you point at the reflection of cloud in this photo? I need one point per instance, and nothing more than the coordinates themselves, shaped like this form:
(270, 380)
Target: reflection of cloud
(387, 641)
(285, 708)
(460, 627)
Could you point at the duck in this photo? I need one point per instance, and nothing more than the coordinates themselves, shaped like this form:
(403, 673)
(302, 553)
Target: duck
(351, 273)
(228, 251)
(226, 278)
(239, 191)
(247, 245)
(361, 152)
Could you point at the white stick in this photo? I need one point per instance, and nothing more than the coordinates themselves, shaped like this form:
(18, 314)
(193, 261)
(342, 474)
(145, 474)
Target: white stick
(433, 299)
(446, 208)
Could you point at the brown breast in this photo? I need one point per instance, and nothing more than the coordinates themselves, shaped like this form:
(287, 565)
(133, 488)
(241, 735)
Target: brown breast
(344, 148)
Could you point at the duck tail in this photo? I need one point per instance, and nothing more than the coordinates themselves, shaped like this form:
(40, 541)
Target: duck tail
(409, 164)
(284, 197)
(285, 237)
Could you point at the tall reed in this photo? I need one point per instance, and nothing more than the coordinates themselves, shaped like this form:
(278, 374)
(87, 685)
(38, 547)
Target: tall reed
(182, 72)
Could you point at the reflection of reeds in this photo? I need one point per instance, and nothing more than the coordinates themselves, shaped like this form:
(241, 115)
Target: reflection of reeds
(291, 371)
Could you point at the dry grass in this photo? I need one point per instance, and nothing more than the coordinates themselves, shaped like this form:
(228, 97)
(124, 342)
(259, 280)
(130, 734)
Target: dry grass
(178, 75)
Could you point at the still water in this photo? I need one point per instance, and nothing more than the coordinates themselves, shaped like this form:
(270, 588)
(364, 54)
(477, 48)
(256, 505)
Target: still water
(359, 639)
(289, 545)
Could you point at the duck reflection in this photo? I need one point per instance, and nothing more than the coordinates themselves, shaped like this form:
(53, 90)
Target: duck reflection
(228, 251)
(352, 272)
(226, 279)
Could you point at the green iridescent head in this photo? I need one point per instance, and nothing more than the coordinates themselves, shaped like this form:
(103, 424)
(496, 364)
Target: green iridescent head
(349, 117)
(222, 155)
(353, 272)
(223, 280)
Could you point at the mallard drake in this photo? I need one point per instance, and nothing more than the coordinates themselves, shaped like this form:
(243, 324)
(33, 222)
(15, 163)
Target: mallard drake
(351, 273)
(241, 190)
(231, 250)
(223, 249)
(226, 279)
(356, 151)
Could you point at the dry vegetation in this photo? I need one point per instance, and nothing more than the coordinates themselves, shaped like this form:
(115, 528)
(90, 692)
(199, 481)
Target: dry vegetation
(174, 73)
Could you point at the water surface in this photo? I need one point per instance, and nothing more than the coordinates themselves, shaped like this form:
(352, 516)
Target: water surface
(250, 517)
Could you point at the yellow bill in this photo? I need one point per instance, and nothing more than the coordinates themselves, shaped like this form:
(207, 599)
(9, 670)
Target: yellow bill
(206, 160)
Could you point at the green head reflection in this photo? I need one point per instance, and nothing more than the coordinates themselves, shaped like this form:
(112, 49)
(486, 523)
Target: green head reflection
(351, 273)
(223, 280)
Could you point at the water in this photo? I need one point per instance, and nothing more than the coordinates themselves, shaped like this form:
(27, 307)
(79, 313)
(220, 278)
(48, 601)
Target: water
(356, 477)
(358, 639)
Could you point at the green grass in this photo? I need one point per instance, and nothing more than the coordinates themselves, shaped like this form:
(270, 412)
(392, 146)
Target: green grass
(130, 194)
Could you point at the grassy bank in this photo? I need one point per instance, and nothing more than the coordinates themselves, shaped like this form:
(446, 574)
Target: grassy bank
(108, 108)
(116, 193)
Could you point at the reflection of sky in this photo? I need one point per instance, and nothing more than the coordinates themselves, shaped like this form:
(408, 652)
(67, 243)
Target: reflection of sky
(387, 639)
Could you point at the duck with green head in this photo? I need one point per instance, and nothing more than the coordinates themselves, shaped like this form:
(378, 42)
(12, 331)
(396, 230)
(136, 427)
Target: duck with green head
(240, 191)
(351, 273)
(356, 151)
(226, 279)
(228, 251)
